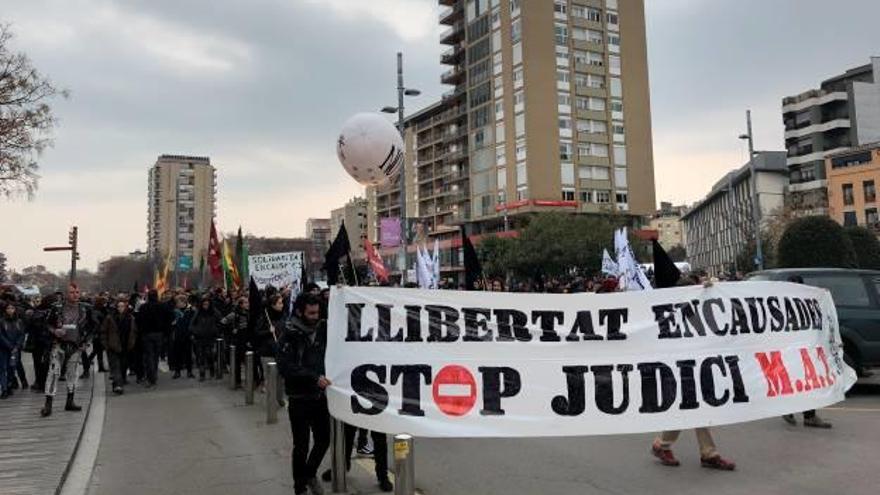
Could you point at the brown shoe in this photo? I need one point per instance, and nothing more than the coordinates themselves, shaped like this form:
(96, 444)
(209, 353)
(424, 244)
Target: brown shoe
(717, 462)
(667, 458)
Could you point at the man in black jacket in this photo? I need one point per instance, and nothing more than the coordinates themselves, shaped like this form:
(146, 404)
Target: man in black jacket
(300, 353)
(154, 323)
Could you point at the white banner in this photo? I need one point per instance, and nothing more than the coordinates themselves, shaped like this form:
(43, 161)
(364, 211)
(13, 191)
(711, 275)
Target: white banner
(277, 269)
(489, 364)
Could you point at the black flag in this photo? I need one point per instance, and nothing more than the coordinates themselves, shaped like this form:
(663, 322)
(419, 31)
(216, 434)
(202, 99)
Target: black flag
(472, 269)
(338, 250)
(666, 274)
(255, 312)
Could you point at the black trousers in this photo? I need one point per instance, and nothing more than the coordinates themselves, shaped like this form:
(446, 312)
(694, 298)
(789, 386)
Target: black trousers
(205, 356)
(152, 346)
(182, 350)
(40, 356)
(308, 416)
(380, 450)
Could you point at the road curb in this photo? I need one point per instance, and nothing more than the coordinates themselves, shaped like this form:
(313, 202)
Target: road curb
(67, 485)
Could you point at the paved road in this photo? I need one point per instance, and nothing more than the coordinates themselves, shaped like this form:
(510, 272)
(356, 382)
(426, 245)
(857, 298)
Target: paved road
(772, 458)
(192, 438)
(35, 451)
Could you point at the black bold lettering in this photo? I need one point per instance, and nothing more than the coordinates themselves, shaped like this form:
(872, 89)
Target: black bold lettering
(355, 320)
(664, 316)
(605, 388)
(370, 390)
(411, 389)
(473, 325)
(690, 317)
(739, 323)
(575, 403)
(413, 323)
(739, 389)
(584, 325)
(652, 373)
(709, 316)
(707, 381)
(688, 384)
(776, 314)
(548, 320)
(512, 325)
(615, 317)
(791, 321)
(493, 391)
(759, 318)
(384, 332)
(440, 317)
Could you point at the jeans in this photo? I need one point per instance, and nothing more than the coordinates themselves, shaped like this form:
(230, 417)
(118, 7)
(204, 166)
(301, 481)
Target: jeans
(308, 416)
(152, 347)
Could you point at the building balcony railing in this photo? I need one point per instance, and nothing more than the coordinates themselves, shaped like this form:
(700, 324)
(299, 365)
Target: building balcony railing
(455, 93)
(452, 14)
(452, 56)
(455, 75)
(453, 35)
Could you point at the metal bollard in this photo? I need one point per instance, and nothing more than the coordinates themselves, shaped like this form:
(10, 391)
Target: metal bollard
(249, 377)
(233, 365)
(271, 395)
(404, 465)
(218, 358)
(337, 452)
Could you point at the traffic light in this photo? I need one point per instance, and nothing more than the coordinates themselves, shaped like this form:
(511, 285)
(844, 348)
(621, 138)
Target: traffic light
(71, 237)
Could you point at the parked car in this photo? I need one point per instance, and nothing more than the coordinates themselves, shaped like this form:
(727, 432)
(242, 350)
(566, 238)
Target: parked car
(856, 295)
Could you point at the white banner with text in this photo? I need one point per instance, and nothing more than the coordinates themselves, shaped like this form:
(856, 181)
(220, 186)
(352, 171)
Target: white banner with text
(277, 269)
(488, 364)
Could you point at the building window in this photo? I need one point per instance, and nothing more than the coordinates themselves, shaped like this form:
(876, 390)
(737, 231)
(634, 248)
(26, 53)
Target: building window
(515, 31)
(621, 197)
(521, 178)
(567, 174)
(870, 191)
(499, 132)
(603, 197)
(560, 6)
(620, 155)
(614, 64)
(561, 31)
(594, 15)
(614, 43)
(849, 218)
(565, 151)
(871, 217)
(563, 99)
(521, 150)
(565, 123)
(613, 20)
(568, 194)
(586, 196)
(522, 193)
(520, 124)
(848, 194)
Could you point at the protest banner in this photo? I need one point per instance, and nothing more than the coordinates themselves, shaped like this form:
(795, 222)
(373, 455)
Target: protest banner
(277, 269)
(464, 364)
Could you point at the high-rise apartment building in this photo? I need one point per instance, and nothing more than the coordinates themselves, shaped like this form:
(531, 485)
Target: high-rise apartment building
(843, 113)
(354, 214)
(318, 230)
(548, 109)
(182, 192)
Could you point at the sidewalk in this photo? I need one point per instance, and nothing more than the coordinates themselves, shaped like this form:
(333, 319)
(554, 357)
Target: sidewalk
(35, 452)
(198, 438)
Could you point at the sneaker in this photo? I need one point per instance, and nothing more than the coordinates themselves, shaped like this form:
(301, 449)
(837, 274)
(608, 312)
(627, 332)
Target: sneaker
(717, 462)
(816, 422)
(667, 458)
(789, 418)
(315, 487)
(365, 450)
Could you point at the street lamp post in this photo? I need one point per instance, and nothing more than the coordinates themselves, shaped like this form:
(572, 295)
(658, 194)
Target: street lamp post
(401, 92)
(756, 206)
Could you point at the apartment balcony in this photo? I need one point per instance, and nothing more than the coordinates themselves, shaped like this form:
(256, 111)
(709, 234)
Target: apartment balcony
(453, 35)
(452, 56)
(455, 94)
(448, 3)
(454, 156)
(451, 15)
(818, 128)
(455, 75)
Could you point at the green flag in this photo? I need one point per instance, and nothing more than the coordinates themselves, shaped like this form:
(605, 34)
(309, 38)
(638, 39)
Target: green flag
(244, 265)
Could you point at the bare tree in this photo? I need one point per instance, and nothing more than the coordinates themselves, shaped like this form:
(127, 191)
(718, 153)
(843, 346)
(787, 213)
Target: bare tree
(26, 119)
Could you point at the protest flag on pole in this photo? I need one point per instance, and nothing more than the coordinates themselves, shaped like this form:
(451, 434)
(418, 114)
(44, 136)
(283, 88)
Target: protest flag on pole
(473, 271)
(339, 249)
(666, 274)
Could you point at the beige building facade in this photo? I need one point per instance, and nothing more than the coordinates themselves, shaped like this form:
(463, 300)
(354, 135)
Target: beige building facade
(182, 203)
(852, 178)
(354, 214)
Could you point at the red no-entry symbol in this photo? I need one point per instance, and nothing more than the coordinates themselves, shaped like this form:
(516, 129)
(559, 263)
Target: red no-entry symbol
(455, 390)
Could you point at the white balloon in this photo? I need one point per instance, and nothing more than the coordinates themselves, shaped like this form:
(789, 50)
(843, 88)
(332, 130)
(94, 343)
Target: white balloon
(370, 149)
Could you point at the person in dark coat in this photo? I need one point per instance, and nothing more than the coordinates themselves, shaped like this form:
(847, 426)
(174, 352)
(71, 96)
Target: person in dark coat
(204, 328)
(181, 338)
(117, 335)
(154, 324)
(301, 351)
(39, 339)
(11, 341)
(238, 333)
(272, 324)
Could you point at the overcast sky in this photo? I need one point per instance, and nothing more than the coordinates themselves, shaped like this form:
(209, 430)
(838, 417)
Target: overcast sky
(263, 86)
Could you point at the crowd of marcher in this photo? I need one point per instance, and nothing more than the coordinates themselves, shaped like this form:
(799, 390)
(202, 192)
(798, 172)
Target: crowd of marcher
(66, 333)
